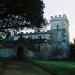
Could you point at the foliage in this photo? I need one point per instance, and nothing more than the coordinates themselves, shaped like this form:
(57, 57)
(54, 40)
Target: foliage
(31, 11)
(72, 51)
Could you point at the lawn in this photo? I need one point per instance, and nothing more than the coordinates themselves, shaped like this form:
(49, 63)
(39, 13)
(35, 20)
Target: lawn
(57, 67)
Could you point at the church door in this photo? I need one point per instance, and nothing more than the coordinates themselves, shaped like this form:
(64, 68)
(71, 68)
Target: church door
(20, 53)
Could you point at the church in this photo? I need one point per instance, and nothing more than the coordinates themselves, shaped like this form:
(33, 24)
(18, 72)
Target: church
(52, 44)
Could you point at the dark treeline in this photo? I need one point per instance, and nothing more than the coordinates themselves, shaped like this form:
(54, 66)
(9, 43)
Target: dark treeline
(72, 50)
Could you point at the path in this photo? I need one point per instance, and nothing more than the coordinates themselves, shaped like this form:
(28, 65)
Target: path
(23, 68)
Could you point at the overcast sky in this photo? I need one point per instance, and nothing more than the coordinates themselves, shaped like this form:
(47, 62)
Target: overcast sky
(60, 7)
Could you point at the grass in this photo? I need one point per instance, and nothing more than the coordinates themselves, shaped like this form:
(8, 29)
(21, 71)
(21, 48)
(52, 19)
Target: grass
(57, 67)
(53, 67)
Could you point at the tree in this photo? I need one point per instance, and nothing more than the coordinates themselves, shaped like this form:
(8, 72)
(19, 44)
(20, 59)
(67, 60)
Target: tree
(18, 14)
(30, 11)
(72, 50)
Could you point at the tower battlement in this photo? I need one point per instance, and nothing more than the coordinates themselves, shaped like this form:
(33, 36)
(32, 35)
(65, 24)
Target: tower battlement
(59, 17)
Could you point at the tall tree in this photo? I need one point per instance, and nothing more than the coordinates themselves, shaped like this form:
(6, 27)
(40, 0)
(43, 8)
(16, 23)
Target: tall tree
(72, 50)
(29, 12)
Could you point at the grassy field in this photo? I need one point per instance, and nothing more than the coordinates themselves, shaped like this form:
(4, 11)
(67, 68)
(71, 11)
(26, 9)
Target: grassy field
(57, 67)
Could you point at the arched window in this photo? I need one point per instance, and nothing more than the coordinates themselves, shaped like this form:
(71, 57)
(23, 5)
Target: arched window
(40, 37)
(29, 38)
(57, 26)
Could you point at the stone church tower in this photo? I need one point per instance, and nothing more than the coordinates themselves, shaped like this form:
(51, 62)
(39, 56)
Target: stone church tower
(60, 36)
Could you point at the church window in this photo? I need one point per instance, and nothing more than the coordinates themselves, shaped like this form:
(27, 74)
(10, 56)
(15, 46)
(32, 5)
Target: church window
(40, 37)
(57, 26)
(29, 38)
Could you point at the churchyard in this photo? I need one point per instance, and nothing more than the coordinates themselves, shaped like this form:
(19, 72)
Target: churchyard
(57, 67)
(19, 67)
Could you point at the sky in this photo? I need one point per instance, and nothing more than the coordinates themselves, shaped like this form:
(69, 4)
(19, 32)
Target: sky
(60, 7)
